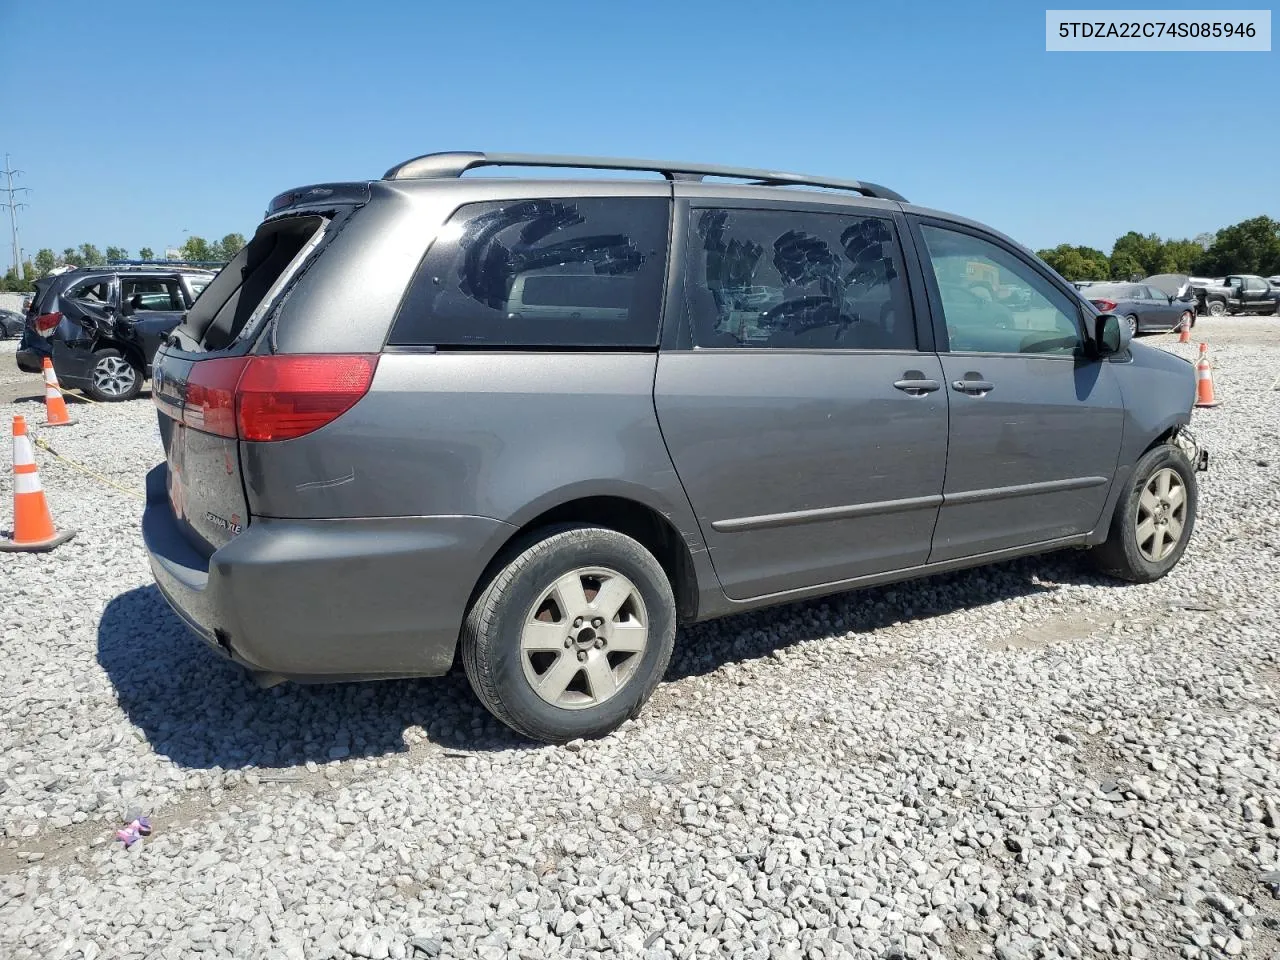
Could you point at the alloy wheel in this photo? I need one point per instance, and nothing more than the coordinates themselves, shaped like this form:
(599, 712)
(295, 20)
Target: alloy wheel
(1162, 515)
(584, 638)
(114, 376)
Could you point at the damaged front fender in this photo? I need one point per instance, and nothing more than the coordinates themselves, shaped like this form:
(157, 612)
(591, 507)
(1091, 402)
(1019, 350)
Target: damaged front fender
(1189, 444)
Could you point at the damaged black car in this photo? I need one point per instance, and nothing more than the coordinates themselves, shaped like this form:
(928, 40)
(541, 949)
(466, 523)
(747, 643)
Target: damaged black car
(102, 326)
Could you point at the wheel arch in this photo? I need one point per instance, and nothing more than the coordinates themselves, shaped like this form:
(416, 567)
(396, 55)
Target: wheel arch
(1152, 436)
(622, 512)
(129, 351)
(1165, 432)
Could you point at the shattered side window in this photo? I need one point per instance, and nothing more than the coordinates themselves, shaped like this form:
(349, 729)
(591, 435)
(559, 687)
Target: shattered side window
(92, 292)
(573, 272)
(793, 278)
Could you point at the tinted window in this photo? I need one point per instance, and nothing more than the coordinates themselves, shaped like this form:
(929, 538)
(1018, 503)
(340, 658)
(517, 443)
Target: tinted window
(1254, 285)
(788, 278)
(574, 272)
(995, 302)
(1156, 294)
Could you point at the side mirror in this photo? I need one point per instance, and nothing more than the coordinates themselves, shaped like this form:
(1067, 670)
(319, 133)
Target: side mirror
(1110, 336)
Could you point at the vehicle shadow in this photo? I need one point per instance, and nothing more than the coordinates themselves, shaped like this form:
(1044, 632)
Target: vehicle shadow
(204, 712)
(703, 648)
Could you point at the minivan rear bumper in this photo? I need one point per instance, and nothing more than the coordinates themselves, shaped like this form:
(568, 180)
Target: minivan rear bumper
(325, 600)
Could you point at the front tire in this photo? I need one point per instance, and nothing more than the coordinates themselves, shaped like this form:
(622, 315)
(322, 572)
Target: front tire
(1154, 519)
(571, 636)
(113, 377)
(1188, 318)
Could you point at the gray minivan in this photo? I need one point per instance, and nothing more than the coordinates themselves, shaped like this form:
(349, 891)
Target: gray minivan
(548, 420)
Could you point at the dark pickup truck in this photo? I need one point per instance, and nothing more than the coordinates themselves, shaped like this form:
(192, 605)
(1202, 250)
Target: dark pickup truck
(102, 326)
(1238, 293)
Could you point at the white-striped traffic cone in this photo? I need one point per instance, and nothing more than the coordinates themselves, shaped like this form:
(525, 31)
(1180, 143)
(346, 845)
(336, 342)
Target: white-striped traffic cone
(55, 408)
(1205, 396)
(33, 529)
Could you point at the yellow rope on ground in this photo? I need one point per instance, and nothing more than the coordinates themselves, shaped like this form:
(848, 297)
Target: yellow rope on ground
(40, 442)
(77, 396)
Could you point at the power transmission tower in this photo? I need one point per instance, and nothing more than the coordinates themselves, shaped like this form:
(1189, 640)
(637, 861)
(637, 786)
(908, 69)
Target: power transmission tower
(11, 201)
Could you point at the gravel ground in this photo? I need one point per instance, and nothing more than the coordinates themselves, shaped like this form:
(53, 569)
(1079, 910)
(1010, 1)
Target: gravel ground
(13, 380)
(1019, 761)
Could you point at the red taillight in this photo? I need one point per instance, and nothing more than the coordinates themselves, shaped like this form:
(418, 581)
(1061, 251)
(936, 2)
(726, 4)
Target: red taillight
(283, 397)
(46, 323)
(211, 395)
(1106, 306)
(273, 398)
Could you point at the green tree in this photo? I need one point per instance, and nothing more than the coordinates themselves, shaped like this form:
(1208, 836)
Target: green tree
(117, 253)
(146, 253)
(91, 256)
(197, 248)
(1136, 254)
(1251, 246)
(45, 261)
(11, 283)
(70, 256)
(228, 246)
(1178, 256)
(1077, 263)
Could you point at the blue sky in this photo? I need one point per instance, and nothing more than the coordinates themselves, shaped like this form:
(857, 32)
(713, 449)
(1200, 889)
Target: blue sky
(137, 121)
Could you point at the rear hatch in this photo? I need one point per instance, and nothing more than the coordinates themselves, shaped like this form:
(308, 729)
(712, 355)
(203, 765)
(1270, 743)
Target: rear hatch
(42, 318)
(213, 380)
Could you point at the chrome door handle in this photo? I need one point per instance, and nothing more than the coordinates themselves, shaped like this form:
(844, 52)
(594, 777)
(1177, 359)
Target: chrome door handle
(975, 387)
(917, 388)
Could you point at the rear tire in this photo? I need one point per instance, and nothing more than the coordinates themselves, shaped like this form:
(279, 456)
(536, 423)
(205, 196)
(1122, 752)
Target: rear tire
(1132, 320)
(113, 377)
(1217, 308)
(605, 668)
(1150, 529)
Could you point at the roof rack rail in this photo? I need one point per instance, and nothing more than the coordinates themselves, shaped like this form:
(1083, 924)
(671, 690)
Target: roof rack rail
(209, 266)
(446, 165)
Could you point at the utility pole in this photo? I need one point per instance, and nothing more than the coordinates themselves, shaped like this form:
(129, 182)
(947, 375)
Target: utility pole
(11, 201)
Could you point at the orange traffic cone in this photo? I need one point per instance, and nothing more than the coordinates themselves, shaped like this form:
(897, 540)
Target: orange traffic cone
(1184, 336)
(55, 408)
(33, 530)
(1204, 380)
